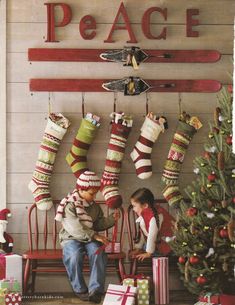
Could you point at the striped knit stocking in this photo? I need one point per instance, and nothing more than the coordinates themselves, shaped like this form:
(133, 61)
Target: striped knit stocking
(141, 154)
(56, 128)
(179, 146)
(187, 127)
(121, 127)
(77, 157)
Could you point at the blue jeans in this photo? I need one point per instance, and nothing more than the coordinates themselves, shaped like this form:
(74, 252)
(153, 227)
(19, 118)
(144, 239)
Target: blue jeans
(73, 256)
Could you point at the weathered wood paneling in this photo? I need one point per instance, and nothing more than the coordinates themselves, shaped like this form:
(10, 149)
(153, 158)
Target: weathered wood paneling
(21, 100)
(27, 112)
(22, 36)
(211, 11)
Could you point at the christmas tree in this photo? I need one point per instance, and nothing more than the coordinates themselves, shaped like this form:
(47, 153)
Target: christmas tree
(204, 229)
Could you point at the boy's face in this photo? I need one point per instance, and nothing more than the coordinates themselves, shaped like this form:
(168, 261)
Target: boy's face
(89, 195)
(138, 207)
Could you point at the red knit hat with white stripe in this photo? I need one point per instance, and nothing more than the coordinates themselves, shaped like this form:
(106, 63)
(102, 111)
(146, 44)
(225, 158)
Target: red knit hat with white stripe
(88, 180)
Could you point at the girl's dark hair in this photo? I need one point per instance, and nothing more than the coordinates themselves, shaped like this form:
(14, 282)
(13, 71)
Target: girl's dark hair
(144, 195)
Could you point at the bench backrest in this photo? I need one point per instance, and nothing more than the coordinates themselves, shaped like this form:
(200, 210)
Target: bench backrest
(43, 229)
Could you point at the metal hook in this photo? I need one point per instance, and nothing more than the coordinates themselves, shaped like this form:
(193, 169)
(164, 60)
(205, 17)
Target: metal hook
(147, 104)
(114, 101)
(49, 103)
(180, 102)
(83, 104)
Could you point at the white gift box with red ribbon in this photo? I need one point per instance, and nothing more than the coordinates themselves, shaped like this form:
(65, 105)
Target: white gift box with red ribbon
(113, 248)
(11, 267)
(120, 295)
(161, 280)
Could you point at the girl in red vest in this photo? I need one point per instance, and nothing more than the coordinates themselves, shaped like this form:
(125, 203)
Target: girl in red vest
(155, 224)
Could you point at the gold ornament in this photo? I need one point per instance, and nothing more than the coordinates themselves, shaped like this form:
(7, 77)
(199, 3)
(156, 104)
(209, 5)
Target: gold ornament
(202, 164)
(206, 227)
(194, 193)
(229, 121)
(212, 268)
(209, 185)
(222, 132)
(211, 136)
(184, 243)
(224, 203)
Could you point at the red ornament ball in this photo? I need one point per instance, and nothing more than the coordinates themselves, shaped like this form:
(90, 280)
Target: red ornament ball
(234, 200)
(229, 140)
(194, 260)
(201, 280)
(212, 177)
(191, 212)
(207, 155)
(216, 130)
(181, 260)
(230, 88)
(223, 233)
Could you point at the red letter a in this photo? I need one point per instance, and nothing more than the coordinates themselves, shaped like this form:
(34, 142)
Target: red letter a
(127, 25)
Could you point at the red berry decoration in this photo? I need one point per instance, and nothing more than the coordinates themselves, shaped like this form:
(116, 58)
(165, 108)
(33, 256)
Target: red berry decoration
(223, 233)
(229, 140)
(216, 130)
(181, 260)
(207, 155)
(230, 88)
(212, 177)
(194, 260)
(201, 280)
(191, 212)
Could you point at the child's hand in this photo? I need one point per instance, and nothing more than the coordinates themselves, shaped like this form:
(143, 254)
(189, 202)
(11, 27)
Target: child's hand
(116, 214)
(143, 256)
(135, 252)
(102, 239)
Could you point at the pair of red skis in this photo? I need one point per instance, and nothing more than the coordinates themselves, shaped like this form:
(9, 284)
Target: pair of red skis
(129, 56)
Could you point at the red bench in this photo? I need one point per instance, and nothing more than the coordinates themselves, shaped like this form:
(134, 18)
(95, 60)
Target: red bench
(45, 254)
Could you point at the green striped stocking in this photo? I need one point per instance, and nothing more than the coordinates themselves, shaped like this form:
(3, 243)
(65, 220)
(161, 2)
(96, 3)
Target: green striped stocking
(77, 157)
(56, 128)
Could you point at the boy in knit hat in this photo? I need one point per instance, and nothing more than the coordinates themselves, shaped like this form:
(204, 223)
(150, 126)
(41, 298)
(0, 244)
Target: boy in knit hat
(81, 219)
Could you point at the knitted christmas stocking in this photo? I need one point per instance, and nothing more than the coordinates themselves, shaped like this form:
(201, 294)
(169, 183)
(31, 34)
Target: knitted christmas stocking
(187, 127)
(77, 157)
(56, 128)
(141, 154)
(121, 127)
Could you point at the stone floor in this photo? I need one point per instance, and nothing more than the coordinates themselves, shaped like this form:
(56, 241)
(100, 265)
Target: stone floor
(176, 298)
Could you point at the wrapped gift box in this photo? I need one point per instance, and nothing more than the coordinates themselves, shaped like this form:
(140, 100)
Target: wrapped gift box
(113, 248)
(2, 296)
(204, 303)
(143, 285)
(11, 267)
(160, 280)
(120, 295)
(11, 285)
(13, 299)
(221, 299)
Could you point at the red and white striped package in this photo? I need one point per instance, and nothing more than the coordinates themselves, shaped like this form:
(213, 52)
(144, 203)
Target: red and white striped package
(161, 280)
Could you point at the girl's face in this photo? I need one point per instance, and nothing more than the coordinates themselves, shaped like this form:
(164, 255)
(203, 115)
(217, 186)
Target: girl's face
(138, 207)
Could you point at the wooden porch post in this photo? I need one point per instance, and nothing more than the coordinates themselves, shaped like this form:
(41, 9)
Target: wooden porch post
(2, 104)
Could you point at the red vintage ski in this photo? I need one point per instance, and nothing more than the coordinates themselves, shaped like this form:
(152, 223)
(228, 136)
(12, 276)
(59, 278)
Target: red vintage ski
(130, 56)
(129, 85)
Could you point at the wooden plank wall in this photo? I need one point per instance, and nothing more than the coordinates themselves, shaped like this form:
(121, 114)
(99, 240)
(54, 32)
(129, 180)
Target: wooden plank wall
(26, 112)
